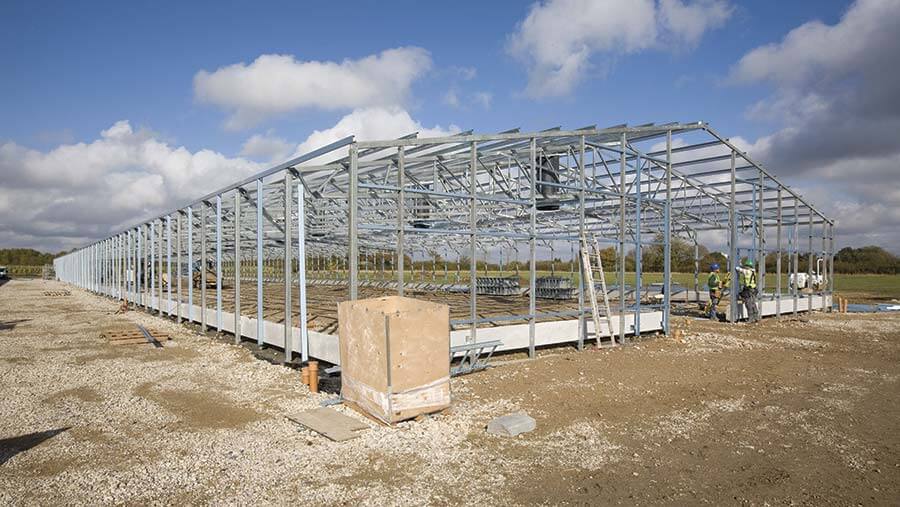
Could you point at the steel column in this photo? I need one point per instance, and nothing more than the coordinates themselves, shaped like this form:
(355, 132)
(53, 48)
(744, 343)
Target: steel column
(473, 243)
(260, 328)
(637, 247)
(621, 271)
(204, 251)
(219, 263)
(353, 219)
(732, 244)
(778, 247)
(532, 246)
(582, 322)
(667, 232)
(401, 220)
(152, 245)
(237, 267)
(190, 261)
(169, 264)
(178, 266)
(796, 255)
(301, 271)
(288, 269)
(159, 255)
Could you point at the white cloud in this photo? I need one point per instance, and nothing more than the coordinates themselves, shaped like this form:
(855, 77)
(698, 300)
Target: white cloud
(834, 95)
(687, 22)
(451, 98)
(277, 84)
(483, 99)
(815, 50)
(66, 196)
(371, 124)
(266, 147)
(558, 38)
(71, 194)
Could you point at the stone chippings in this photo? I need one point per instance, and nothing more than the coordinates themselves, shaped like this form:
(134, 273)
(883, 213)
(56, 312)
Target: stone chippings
(198, 421)
(204, 422)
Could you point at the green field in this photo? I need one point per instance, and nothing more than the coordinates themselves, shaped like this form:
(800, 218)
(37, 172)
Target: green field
(868, 288)
(857, 288)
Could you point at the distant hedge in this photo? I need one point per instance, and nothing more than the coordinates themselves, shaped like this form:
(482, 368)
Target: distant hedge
(864, 260)
(25, 257)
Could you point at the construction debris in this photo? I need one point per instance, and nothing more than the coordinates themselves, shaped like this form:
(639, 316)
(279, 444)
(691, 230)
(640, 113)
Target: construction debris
(137, 336)
(330, 424)
(122, 307)
(511, 425)
(57, 293)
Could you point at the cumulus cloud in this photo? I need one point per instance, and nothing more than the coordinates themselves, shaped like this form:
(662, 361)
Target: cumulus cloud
(66, 196)
(687, 22)
(267, 147)
(558, 38)
(276, 84)
(74, 193)
(371, 124)
(483, 99)
(451, 98)
(834, 90)
(456, 100)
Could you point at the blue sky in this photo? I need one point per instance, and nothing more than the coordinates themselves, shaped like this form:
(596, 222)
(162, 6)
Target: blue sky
(72, 70)
(79, 69)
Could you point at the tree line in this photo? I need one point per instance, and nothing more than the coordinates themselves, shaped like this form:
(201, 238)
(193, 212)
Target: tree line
(26, 257)
(867, 259)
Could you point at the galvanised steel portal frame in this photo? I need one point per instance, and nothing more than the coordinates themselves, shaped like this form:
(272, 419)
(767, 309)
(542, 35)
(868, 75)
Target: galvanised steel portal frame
(471, 196)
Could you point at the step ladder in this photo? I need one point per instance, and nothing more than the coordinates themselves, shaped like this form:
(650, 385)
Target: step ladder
(587, 267)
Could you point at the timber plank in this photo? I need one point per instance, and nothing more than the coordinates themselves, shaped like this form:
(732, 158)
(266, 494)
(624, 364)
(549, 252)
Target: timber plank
(330, 423)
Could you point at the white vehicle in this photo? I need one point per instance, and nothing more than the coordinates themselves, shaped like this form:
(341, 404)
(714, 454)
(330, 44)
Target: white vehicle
(3, 273)
(816, 281)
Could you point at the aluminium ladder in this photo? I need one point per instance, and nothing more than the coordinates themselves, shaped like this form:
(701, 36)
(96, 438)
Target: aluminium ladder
(588, 270)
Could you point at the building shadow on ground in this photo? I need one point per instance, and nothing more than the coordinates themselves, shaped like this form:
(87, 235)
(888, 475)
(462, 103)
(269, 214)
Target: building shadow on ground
(9, 447)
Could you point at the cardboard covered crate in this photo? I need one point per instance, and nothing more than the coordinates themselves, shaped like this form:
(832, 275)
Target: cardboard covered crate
(395, 361)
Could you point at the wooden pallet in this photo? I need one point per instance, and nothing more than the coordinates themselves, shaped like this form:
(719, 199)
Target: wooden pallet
(129, 336)
(57, 293)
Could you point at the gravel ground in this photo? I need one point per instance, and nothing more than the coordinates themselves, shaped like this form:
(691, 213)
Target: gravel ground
(789, 411)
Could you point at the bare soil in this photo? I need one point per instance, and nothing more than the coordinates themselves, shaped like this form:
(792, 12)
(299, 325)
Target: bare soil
(789, 411)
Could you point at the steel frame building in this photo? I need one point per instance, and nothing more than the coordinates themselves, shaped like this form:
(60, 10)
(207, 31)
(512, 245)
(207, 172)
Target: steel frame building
(352, 204)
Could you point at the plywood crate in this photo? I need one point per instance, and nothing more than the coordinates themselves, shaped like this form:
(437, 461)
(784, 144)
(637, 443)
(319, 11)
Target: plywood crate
(395, 361)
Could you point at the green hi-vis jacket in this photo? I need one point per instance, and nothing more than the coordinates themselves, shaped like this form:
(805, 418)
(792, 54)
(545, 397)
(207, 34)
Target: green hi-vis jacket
(714, 282)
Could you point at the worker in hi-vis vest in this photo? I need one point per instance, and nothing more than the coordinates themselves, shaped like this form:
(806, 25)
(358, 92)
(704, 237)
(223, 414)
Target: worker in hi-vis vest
(714, 282)
(747, 284)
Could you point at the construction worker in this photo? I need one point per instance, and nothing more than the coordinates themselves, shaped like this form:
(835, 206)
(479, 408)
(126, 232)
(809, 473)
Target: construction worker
(747, 284)
(714, 282)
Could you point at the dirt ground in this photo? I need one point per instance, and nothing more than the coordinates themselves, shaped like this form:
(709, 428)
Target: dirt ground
(785, 412)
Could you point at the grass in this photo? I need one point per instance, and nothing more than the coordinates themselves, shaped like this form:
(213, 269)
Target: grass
(857, 288)
(868, 288)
